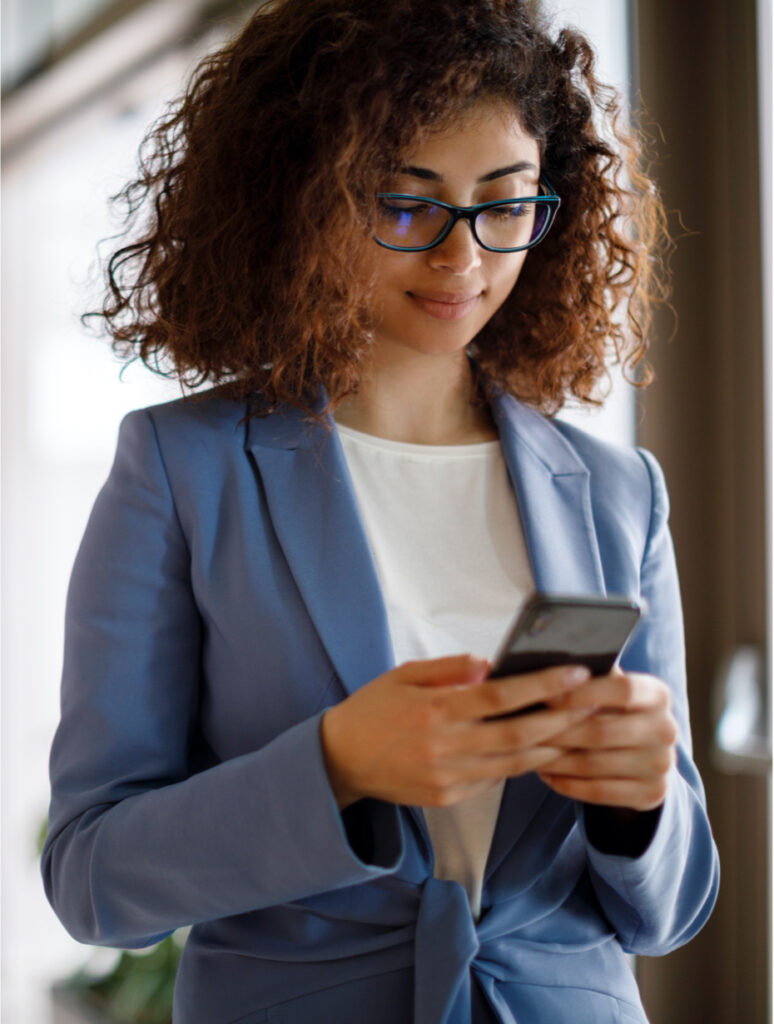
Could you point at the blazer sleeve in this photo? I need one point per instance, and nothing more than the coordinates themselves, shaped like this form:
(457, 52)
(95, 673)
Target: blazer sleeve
(660, 898)
(139, 841)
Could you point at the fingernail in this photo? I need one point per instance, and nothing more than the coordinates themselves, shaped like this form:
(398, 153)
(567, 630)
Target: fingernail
(576, 675)
(480, 667)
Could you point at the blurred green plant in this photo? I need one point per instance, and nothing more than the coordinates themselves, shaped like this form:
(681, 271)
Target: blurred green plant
(138, 990)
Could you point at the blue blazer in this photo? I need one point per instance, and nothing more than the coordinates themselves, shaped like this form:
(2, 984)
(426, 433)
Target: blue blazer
(223, 597)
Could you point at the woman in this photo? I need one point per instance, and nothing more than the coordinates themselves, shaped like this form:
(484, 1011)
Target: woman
(276, 725)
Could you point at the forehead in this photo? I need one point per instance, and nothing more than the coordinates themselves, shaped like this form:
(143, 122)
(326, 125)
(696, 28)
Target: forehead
(485, 137)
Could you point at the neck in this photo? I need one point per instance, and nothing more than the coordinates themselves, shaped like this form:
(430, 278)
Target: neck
(418, 399)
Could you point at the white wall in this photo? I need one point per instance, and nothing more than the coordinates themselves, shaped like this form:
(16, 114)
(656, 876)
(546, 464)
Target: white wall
(62, 400)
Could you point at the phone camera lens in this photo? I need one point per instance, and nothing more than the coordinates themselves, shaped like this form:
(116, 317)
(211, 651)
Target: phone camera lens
(539, 624)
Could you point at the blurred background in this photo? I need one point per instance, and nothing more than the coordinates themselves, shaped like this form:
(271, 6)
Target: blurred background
(81, 82)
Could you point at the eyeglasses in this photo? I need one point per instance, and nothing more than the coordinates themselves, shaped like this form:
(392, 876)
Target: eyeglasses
(411, 223)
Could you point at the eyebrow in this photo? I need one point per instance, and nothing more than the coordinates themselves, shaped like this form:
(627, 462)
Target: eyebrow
(427, 175)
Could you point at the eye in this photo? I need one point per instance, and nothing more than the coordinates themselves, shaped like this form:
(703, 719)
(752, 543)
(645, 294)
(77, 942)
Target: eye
(509, 211)
(397, 208)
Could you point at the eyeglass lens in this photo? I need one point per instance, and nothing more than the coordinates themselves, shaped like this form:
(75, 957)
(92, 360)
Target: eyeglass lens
(408, 223)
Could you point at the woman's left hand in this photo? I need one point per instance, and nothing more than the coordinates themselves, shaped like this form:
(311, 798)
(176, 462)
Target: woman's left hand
(621, 755)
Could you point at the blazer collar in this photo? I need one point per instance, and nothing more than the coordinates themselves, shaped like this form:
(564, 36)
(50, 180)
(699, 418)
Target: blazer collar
(553, 492)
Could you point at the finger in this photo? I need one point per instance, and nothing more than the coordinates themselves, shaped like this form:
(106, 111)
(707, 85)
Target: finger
(507, 736)
(456, 669)
(515, 693)
(498, 766)
(448, 782)
(619, 690)
(643, 763)
(606, 730)
(641, 796)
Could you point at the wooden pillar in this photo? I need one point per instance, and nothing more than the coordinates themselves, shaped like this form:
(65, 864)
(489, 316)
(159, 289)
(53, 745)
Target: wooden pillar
(704, 419)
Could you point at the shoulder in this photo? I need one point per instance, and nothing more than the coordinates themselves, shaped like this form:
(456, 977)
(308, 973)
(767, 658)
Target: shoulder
(623, 472)
(626, 487)
(186, 428)
(624, 465)
(202, 413)
(212, 420)
(617, 471)
(190, 445)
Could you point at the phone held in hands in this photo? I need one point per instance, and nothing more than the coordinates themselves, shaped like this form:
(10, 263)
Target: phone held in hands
(556, 629)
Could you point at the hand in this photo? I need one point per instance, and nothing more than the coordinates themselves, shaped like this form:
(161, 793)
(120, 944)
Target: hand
(621, 755)
(419, 734)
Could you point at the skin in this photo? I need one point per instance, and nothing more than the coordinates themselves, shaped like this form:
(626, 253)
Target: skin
(417, 386)
(423, 733)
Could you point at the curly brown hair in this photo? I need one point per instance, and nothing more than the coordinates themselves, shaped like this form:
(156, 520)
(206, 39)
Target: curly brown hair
(258, 188)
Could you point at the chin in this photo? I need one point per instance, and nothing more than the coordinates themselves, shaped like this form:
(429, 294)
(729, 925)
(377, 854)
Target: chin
(434, 339)
(437, 346)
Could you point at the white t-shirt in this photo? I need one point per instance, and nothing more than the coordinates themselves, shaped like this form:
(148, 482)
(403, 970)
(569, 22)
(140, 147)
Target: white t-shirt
(448, 544)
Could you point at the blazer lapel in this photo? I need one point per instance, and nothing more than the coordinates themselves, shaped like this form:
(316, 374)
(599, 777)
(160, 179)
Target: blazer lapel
(553, 493)
(552, 487)
(316, 517)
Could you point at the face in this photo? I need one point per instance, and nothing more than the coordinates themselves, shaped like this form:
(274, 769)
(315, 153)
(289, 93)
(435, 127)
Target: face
(436, 301)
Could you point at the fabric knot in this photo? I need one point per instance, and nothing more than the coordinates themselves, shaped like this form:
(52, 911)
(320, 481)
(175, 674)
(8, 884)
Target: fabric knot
(446, 944)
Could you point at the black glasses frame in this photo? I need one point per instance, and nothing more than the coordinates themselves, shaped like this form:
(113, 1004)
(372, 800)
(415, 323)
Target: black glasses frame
(470, 213)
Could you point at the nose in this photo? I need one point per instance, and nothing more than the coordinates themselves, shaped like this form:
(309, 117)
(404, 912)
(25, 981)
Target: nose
(459, 252)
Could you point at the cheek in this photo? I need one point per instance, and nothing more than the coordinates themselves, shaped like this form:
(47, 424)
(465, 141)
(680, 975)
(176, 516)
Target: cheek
(383, 266)
(394, 274)
(505, 276)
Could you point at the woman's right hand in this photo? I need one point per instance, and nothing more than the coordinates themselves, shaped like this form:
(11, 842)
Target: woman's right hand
(422, 734)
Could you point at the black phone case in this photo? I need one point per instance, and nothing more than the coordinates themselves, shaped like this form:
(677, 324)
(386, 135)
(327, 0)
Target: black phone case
(560, 630)
(517, 662)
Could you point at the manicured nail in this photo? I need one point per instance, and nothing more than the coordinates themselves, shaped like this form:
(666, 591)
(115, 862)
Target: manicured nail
(576, 675)
(479, 667)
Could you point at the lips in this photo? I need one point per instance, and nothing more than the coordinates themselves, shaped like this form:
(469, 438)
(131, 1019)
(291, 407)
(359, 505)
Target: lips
(446, 305)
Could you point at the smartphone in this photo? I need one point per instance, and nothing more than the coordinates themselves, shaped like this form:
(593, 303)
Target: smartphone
(557, 629)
